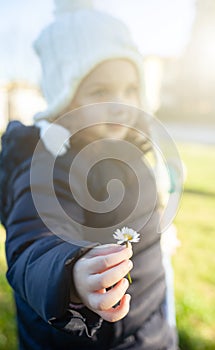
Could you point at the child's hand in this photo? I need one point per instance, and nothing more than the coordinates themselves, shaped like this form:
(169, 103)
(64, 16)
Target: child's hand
(103, 267)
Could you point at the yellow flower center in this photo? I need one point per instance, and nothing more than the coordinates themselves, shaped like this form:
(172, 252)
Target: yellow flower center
(127, 236)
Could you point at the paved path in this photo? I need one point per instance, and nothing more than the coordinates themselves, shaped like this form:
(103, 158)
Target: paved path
(204, 134)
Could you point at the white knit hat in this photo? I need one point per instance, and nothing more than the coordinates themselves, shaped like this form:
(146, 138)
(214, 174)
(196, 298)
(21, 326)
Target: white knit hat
(69, 48)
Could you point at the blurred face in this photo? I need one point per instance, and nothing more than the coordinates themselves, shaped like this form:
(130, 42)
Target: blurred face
(111, 81)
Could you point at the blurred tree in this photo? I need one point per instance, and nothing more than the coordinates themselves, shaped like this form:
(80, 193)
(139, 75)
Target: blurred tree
(190, 92)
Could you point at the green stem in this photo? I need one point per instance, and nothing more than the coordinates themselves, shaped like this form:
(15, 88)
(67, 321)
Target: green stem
(128, 275)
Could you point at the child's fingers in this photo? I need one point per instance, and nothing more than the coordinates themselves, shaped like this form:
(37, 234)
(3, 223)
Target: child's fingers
(116, 314)
(104, 249)
(109, 277)
(104, 301)
(99, 264)
(103, 267)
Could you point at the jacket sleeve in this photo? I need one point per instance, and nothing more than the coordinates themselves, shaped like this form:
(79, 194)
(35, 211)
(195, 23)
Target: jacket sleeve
(39, 262)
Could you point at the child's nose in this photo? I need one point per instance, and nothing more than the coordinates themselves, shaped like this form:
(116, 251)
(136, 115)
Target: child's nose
(116, 108)
(118, 98)
(119, 112)
(122, 113)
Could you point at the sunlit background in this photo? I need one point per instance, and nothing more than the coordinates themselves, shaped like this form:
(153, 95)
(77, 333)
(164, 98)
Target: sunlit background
(177, 40)
(175, 37)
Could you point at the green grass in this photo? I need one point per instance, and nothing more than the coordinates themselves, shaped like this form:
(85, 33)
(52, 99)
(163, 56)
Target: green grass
(8, 339)
(200, 162)
(194, 262)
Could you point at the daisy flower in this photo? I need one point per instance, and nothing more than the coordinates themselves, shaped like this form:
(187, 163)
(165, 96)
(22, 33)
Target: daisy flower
(126, 235)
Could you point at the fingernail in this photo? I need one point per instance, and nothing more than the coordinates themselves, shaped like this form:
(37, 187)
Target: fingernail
(130, 264)
(125, 282)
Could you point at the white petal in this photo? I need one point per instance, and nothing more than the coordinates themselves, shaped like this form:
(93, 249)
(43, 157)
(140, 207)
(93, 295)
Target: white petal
(126, 235)
(121, 241)
(118, 231)
(135, 240)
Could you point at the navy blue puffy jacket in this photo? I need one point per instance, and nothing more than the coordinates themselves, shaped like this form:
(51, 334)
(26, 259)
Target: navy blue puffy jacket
(40, 266)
